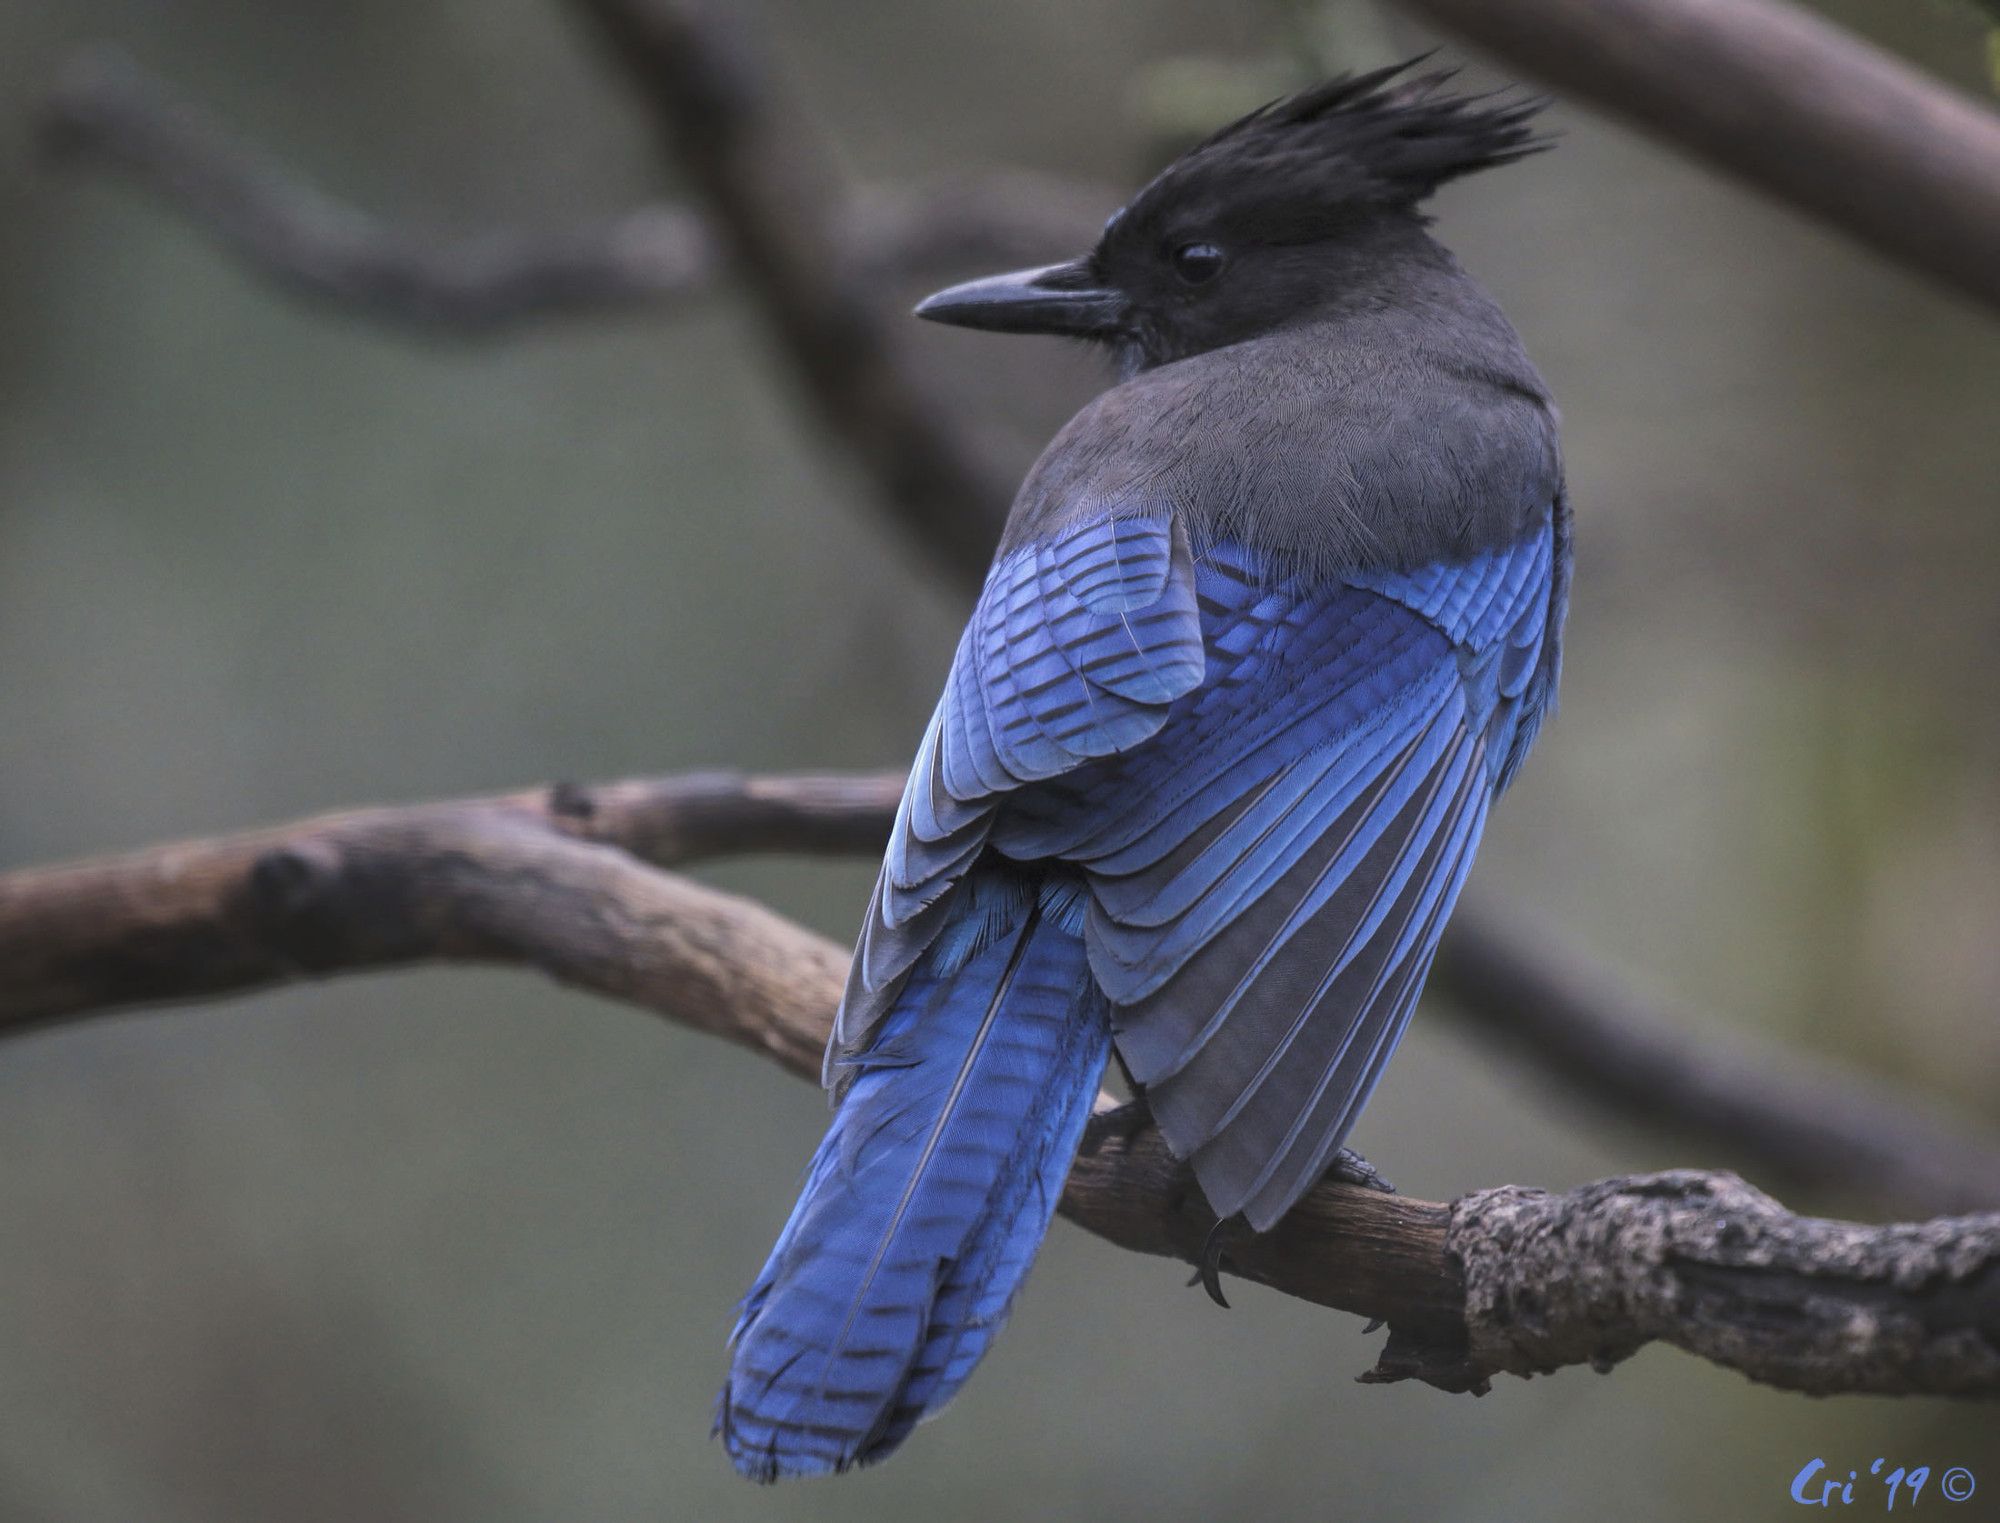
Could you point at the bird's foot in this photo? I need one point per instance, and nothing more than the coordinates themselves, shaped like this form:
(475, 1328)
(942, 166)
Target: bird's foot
(1350, 1168)
(1208, 1272)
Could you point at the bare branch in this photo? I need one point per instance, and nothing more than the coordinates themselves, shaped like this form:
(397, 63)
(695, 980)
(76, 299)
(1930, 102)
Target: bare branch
(1503, 1281)
(541, 878)
(105, 109)
(1790, 103)
(1787, 1113)
(170, 923)
(808, 249)
(777, 197)
(1521, 1281)
(693, 817)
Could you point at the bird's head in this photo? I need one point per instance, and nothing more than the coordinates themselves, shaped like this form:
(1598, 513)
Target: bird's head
(1307, 201)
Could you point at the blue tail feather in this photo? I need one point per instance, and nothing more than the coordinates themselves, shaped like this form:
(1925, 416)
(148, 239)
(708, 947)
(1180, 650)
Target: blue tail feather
(925, 1204)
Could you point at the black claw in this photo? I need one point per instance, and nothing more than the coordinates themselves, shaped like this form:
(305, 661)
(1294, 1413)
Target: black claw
(1209, 1274)
(1375, 1325)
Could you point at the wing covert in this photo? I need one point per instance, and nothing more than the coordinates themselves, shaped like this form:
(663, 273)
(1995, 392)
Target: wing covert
(1078, 647)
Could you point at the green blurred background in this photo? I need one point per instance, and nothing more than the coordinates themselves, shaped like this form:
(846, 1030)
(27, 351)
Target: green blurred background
(459, 1245)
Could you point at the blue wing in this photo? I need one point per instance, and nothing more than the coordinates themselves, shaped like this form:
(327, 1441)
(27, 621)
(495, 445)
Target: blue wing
(1272, 869)
(1275, 786)
(1268, 788)
(1078, 647)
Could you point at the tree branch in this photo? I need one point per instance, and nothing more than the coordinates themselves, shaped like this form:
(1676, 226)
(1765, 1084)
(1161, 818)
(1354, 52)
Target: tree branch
(1502, 1281)
(106, 110)
(553, 879)
(214, 917)
(169, 924)
(1792, 1116)
(777, 198)
(1779, 98)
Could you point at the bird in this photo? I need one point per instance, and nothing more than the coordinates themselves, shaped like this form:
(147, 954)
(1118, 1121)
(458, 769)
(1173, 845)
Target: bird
(1272, 622)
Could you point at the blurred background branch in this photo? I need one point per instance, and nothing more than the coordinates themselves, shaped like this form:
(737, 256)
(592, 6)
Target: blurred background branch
(1793, 105)
(1509, 1280)
(1770, 93)
(778, 198)
(108, 111)
(105, 110)
(1788, 1116)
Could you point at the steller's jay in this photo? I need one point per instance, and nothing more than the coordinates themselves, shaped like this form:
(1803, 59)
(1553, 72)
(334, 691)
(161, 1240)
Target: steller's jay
(1272, 622)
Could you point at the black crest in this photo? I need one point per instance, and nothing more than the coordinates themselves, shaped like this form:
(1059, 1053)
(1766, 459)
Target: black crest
(1386, 138)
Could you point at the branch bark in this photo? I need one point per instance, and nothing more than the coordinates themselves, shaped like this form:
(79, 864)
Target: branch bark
(1502, 1281)
(1789, 103)
(554, 879)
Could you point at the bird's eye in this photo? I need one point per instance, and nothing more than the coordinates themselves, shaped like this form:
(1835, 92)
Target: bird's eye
(1197, 263)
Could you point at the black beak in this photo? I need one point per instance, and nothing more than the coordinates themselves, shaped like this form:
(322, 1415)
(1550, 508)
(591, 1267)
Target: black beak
(1058, 298)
